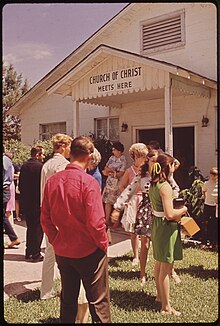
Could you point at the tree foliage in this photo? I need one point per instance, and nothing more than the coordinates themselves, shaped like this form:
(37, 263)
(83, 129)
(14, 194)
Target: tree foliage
(13, 88)
(22, 152)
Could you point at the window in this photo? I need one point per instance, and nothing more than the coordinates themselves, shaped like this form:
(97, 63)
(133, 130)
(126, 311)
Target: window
(48, 130)
(163, 33)
(108, 127)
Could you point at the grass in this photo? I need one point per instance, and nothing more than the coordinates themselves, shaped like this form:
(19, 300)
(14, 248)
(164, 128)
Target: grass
(196, 296)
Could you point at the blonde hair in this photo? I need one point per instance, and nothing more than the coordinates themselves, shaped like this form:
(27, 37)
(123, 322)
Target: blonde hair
(60, 139)
(95, 157)
(138, 150)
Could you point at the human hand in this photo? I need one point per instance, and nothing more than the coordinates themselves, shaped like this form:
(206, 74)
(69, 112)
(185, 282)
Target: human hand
(185, 209)
(115, 216)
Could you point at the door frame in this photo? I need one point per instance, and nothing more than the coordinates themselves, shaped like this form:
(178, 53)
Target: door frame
(135, 133)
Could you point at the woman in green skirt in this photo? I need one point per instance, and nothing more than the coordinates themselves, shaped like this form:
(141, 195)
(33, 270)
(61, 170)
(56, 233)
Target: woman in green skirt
(166, 240)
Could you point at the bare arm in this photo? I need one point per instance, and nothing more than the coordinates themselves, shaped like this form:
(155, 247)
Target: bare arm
(167, 200)
(124, 181)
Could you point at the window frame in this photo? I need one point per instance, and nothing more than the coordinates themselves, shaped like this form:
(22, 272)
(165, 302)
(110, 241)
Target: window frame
(168, 47)
(108, 126)
(49, 134)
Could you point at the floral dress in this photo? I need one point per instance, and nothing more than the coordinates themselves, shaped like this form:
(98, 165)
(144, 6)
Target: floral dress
(143, 220)
(111, 190)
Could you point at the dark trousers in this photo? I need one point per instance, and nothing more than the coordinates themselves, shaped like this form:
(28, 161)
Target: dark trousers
(34, 233)
(6, 223)
(209, 225)
(93, 270)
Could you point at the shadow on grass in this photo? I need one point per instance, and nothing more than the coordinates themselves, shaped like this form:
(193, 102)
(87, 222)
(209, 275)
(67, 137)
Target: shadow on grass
(29, 296)
(115, 262)
(199, 272)
(128, 275)
(124, 275)
(50, 321)
(19, 290)
(134, 300)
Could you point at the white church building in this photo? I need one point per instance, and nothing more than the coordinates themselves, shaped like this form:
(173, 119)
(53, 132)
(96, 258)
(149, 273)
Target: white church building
(148, 74)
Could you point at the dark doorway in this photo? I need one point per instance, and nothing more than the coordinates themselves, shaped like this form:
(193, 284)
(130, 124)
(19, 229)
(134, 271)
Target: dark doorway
(183, 148)
(146, 135)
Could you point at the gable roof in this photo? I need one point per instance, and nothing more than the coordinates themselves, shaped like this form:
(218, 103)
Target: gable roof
(88, 49)
(39, 89)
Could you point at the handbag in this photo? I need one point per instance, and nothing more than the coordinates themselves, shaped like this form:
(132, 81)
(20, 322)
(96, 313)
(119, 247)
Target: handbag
(189, 225)
(129, 215)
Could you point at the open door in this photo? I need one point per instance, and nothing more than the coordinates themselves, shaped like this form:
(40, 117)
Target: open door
(183, 148)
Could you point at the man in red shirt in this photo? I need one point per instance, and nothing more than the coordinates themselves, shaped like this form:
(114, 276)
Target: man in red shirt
(72, 216)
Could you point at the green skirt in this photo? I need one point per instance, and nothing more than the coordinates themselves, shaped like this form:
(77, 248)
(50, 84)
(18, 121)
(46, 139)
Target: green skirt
(166, 240)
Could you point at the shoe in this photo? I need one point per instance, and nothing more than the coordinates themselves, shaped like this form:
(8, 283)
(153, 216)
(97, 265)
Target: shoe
(28, 257)
(37, 258)
(135, 262)
(49, 295)
(14, 243)
(18, 219)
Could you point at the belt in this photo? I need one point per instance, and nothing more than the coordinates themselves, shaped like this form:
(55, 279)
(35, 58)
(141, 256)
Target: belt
(158, 214)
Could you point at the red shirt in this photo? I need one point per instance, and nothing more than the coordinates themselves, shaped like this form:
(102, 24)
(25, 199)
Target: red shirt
(72, 214)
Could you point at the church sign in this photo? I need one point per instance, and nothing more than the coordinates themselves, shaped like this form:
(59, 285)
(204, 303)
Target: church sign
(116, 81)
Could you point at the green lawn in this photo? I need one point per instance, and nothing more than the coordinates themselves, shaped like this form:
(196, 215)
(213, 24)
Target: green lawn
(196, 296)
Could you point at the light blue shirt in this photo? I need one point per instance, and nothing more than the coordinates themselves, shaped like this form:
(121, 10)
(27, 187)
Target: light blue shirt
(7, 171)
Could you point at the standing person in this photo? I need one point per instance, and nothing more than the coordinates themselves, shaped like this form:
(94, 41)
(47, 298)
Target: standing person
(155, 145)
(10, 207)
(93, 168)
(29, 187)
(114, 170)
(166, 239)
(7, 180)
(59, 161)
(61, 149)
(76, 228)
(17, 212)
(143, 213)
(210, 223)
(138, 153)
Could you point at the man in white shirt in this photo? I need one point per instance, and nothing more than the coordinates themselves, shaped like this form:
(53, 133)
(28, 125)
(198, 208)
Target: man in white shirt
(210, 222)
(61, 148)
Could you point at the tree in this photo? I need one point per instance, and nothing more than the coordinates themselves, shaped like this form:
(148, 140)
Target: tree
(13, 89)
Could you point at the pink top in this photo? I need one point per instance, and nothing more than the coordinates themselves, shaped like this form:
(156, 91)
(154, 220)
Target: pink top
(132, 172)
(72, 214)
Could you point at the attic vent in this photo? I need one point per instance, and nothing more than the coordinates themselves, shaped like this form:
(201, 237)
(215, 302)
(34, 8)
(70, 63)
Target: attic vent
(164, 33)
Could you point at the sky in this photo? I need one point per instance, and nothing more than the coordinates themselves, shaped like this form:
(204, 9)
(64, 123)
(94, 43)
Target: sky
(37, 37)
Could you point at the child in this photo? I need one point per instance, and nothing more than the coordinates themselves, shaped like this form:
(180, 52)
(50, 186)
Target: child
(209, 215)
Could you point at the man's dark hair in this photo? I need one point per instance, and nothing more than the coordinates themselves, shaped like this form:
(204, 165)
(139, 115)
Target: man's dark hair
(153, 144)
(81, 146)
(36, 150)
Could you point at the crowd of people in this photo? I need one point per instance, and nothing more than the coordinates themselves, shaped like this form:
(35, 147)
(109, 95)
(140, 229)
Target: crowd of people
(66, 199)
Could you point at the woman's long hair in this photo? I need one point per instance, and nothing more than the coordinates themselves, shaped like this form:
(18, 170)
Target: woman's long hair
(161, 169)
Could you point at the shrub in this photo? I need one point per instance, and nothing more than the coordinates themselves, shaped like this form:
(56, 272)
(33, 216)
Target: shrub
(22, 152)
